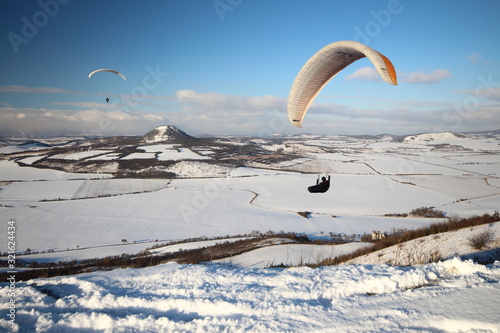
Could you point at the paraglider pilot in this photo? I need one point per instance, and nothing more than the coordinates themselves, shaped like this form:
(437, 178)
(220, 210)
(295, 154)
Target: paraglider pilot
(320, 187)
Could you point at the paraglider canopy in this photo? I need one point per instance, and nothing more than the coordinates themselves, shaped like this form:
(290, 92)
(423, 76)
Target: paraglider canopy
(323, 66)
(106, 70)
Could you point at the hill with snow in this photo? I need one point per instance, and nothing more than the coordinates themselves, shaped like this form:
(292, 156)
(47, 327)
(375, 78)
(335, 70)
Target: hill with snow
(166, 134)
(436, 137)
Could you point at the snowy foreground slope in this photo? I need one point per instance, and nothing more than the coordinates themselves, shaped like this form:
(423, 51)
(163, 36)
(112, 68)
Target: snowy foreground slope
(450, 296)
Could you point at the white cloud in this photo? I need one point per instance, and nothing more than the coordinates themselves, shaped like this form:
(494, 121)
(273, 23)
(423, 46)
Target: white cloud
(474, 58)
(426, 78)
(230, 114)
(365, 74)
(494, 93)
(218, 101)
(370, 74)
(87, 122)
(38, 90)
(222, 114)
(484, 93)
(87, 105)
(207, 99)
(228, 109)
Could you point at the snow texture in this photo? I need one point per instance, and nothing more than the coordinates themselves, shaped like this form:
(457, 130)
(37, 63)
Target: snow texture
(450, 296)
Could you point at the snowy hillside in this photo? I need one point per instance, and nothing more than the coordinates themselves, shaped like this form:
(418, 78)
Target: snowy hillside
(237, 186)
(426, 137)
(167, 133)
(450, 296)
(440, 246)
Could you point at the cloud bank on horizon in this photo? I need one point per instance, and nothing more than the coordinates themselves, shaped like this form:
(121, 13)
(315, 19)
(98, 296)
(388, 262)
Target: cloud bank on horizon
(227, 67)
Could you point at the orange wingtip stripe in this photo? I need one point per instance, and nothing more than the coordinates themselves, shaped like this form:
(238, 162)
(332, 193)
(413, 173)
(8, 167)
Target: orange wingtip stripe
(390, 69)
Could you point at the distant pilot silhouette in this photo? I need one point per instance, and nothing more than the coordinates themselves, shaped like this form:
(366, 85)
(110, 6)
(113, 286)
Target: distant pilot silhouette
(107, 100)
(320, 187)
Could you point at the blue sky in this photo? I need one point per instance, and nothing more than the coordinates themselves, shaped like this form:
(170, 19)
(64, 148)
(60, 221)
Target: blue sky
(226, 66)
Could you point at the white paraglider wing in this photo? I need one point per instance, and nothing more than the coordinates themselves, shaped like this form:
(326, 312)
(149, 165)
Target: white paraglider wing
(107, 70)
(323, 66)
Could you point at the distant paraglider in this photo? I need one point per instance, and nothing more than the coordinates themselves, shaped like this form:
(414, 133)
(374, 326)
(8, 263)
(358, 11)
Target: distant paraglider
(107, 70)
(323, 66)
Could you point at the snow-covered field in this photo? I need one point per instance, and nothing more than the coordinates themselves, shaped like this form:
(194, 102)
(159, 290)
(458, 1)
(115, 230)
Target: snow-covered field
(56, 210)
(450, 296)
(65, 216)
